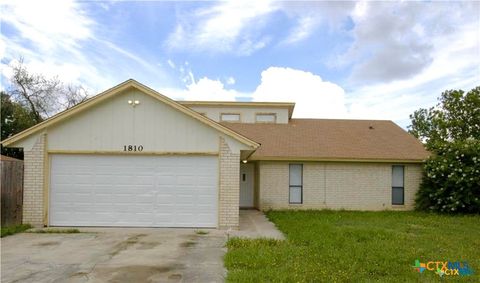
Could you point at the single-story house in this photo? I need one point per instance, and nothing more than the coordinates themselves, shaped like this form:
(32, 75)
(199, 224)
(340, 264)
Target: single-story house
(131, 156)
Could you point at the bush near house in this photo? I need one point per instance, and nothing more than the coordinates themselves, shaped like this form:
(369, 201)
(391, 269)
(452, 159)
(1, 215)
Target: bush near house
(451, 131)
(352, 246)
(452, 180)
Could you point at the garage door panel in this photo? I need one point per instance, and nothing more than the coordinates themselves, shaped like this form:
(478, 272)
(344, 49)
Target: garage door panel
(173, 191)
(162, 200)
(162, 219)
(167, 179)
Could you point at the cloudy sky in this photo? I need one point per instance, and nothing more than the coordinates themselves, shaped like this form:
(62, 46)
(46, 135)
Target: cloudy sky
(369, 60)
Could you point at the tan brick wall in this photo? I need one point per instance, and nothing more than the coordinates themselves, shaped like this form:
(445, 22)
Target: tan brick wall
(273, 179)
(413, 178)
(354, 186)
(33, 183)
(229, 196)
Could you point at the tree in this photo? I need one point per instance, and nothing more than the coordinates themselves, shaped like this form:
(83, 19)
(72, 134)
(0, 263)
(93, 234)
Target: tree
(14, 117)
(455, 118)
(31, 98)
(451, 131)
(41, 95)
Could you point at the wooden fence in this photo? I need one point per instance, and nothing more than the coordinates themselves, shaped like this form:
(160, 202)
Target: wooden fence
(11, 187)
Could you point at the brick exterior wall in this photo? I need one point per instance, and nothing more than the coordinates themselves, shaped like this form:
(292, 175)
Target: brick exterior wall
(352, 186)
(229, 196)
(33, 183)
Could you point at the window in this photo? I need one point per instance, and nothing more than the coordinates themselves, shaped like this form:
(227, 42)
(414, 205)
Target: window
(266, 118)
(397, 184)
(296, 184)
(224, 117)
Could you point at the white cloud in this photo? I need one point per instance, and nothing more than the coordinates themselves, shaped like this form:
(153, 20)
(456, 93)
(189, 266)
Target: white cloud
(397, 41)
(303, 30)
(455, 65)
(48, 36)
(310, 15)
(230, 26)
(204, 89)
(171, 64)
(230, 81)
(59, 38)
(48, 24)
(314, 97)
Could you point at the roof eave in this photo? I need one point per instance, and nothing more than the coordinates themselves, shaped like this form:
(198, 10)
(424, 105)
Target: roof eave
(118, 88)
(333, 159)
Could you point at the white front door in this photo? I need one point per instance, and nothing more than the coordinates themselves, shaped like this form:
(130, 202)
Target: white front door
(141, 191)
(246, 184)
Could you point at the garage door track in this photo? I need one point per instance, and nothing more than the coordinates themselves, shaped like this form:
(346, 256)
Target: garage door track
(115, 255)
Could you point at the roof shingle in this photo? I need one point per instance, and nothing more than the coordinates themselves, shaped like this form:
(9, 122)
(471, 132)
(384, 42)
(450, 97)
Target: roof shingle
(329, 139)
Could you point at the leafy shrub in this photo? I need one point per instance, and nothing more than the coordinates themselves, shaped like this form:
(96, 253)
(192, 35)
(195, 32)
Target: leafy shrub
(451, 183)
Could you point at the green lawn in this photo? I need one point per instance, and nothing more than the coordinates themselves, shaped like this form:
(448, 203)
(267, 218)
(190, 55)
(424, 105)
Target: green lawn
(10, 230)
(342, 246)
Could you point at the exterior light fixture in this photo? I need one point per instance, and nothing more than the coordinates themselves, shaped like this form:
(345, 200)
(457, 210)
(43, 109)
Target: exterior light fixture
(133, 102)
(244, 161)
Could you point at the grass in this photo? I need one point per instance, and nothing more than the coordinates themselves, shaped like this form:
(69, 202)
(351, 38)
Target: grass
(342, 246)
(55, 231)
(201, 232)
(10, 230)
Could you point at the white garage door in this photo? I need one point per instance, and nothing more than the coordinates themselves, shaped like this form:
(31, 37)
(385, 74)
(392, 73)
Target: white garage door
(142, 191)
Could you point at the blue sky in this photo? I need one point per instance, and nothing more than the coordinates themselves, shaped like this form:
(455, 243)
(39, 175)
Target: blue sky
(354, 60)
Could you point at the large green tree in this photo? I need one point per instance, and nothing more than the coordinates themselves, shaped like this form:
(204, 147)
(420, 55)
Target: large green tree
(451, 131)
(14, 117)
(455, 118)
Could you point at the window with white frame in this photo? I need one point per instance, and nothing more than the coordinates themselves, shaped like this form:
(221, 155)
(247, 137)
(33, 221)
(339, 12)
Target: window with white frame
(296, 184)
(229, 117)
(398, 184)
(265, 118)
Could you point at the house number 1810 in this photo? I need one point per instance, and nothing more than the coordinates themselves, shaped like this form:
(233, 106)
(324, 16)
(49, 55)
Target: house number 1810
(133, 148)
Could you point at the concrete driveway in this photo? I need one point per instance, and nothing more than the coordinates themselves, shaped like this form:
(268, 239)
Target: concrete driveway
(115, 255)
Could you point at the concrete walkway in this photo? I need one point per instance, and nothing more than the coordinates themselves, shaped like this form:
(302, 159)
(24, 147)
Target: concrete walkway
(254, 224)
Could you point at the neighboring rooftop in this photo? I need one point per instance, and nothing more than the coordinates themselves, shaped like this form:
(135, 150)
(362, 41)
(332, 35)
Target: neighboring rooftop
(329, 139)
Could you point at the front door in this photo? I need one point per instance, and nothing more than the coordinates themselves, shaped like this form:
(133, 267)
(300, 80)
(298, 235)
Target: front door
(246, 184)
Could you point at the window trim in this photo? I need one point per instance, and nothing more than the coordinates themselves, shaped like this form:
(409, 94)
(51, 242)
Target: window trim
(295, 186)
(266, 113)
(396, 187)
(229, 121)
